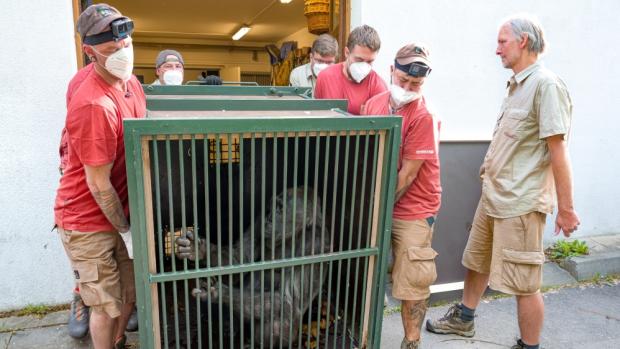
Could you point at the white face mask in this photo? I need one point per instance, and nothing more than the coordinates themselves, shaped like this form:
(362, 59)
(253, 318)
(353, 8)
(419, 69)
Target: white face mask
(400, 97)
(359, 71)
(120, 63)
(319, 67)
(173, 77)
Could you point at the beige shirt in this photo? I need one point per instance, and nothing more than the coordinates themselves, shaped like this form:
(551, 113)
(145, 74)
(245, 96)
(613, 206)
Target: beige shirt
(302, 77)
(517, 175)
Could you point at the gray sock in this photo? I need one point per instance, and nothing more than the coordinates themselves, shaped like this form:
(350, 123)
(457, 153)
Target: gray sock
(467, 314)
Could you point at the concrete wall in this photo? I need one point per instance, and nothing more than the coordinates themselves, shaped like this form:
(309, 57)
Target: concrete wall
(39, 61)
(467, 83)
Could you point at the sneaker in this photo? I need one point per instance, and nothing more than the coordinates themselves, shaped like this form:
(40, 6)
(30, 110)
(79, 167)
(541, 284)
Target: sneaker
(409, 344)
(519, 345)
(451, 323)
(132, 324)
(120, 342)
(78, 317)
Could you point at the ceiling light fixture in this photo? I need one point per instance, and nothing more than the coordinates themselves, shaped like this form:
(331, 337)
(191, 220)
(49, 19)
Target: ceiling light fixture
(285, 1)
(241, 32)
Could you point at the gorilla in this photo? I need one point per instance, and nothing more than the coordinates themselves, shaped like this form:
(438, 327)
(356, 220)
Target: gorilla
(294, 287)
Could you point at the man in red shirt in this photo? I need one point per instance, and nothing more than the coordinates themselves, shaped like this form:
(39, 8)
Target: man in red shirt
(353, 79)
(418, 193)
(80, 313)
(91, 207)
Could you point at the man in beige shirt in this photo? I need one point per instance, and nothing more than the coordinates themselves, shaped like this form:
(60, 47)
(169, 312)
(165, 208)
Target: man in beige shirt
(323, 54)
(526, 166)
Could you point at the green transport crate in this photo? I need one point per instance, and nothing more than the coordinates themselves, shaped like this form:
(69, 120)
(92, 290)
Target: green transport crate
(187, 97)
(291, 215)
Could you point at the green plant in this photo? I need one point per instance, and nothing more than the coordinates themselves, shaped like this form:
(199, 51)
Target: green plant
(563, 249)
(35, 310)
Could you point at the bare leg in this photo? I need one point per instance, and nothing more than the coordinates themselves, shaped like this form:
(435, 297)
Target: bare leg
(475, 285)
(102, 329)
(122, 320)
(531, 311)
(413, 313)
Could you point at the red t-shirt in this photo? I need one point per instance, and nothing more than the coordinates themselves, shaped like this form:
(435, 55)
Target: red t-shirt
(75, 82)
(332, 84)
(419, 141)
(95, 137)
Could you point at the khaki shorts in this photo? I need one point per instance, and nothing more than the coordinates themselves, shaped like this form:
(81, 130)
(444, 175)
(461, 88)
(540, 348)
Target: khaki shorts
(510, 249)
(102, 267)
(414, 268)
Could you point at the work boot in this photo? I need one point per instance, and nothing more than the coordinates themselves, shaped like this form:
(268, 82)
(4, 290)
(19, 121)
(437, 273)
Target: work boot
(132, 324)
(451, 323)
(406, 344)
(119, 343)
(78, 317)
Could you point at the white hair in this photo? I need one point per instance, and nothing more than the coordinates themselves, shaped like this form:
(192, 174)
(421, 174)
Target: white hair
(528, 24)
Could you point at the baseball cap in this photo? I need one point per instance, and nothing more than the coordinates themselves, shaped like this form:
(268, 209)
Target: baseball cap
(96, 19)
(161, 57)
(419, 54)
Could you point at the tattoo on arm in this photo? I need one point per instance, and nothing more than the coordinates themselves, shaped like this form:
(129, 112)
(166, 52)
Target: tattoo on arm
(416, 312)
(112, 208)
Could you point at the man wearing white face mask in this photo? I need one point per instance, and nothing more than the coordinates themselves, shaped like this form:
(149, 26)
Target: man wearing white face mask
(91, 207)
(169, 68)
(418, 193)
(322, 55)
(353, 79)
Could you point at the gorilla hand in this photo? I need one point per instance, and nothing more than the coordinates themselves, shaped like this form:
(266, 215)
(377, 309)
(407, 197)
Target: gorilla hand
(186, 247)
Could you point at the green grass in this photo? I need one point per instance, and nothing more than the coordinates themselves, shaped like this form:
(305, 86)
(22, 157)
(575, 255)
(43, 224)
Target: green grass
(563, 249)
(36, 310)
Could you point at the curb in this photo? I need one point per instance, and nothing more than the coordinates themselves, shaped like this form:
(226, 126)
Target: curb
(595, 265)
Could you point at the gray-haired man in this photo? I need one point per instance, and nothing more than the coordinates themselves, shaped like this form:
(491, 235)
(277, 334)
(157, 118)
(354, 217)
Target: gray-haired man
(526, 164)
(322, 55)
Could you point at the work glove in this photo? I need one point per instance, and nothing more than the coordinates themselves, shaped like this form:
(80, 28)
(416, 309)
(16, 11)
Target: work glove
(126, 236)
(186, 247)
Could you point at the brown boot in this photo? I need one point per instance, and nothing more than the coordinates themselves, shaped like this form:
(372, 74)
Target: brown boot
(451, 323)
(407, 344)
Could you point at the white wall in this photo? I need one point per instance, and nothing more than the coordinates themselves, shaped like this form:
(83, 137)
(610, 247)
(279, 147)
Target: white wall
(467, 83)
(39, 59)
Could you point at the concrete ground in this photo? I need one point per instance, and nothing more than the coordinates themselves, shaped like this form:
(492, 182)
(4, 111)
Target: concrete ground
(579, 317)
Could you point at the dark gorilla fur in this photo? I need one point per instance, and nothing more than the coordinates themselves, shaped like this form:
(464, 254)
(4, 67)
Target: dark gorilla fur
(294, 288)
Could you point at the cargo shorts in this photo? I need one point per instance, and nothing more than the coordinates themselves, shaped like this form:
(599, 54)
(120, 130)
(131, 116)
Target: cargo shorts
(414, 268)
(509, 249)
(102, 268)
